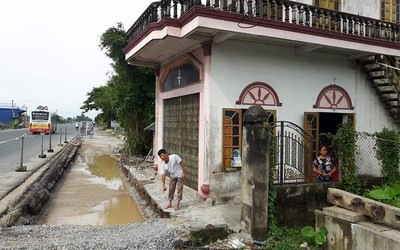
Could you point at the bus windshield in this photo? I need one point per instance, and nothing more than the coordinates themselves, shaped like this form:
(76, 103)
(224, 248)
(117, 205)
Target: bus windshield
(40, 115)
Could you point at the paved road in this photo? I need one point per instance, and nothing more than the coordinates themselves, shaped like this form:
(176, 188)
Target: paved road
(10, 148)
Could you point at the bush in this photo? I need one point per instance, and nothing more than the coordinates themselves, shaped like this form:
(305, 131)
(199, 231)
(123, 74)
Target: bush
(140, 144)
(388, 150)
(345, 139)
(388, 193)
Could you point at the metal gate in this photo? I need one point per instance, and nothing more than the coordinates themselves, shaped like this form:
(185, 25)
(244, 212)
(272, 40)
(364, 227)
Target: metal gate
(293, 153)
(181, 133)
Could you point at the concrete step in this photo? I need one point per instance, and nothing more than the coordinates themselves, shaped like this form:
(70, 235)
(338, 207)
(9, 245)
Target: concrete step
(394, 111)
(389, 97)
(393, 104)
(395, 118)
(382, 81)
(386, 89)
(377, 74)
(367, 59)
(373, 67)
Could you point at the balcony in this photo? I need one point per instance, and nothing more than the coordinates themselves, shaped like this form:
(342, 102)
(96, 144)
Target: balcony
(182, 25)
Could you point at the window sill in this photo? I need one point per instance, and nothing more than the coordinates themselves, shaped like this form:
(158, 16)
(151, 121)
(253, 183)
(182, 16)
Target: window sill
(232, 169)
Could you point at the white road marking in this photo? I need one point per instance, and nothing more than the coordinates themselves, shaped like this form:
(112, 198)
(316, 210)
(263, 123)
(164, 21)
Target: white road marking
(14, 139)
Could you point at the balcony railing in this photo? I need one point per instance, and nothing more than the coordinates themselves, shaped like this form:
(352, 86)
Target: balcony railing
(283, 11)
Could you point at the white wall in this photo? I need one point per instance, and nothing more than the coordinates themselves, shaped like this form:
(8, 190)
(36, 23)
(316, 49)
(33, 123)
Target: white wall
(371, 115)
(369, 8)
(297, 79)
(310, 2)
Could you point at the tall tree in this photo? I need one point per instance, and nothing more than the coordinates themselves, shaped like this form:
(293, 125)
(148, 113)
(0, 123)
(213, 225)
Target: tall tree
(102, 98)
(129, 97)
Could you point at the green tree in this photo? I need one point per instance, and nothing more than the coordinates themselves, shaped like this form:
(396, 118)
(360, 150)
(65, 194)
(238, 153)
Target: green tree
(128, 96)
(82, 117)
(102, 98)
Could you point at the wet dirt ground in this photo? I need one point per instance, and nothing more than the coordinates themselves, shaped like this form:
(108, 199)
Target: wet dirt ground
(91, 191)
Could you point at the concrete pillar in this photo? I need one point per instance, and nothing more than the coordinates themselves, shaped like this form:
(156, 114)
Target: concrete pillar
(255, 172)
(205, 117)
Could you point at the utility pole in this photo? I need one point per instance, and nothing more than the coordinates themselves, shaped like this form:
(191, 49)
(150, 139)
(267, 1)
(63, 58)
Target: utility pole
(26, 116)
(12, 110)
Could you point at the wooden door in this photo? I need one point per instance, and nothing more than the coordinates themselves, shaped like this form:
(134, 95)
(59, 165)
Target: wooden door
(328, 4)
(395, 11)
(181, 133)
(386, 10)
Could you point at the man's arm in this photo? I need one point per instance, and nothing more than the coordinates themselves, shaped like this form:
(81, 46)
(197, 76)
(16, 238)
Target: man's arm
(163, 177)
(183, 169)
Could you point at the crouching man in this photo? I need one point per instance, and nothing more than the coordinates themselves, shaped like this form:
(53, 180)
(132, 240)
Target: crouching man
(173, 164)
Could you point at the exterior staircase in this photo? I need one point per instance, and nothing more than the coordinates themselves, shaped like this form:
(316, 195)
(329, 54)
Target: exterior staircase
(381, 71)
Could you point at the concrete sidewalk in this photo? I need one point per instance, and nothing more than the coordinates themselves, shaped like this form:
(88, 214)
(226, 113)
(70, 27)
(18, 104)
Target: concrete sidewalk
(193, 212)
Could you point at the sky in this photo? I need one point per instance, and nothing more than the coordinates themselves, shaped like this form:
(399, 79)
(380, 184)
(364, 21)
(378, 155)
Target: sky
(49, 50)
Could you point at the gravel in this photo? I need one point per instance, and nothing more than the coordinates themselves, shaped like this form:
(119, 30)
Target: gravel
(151, 234)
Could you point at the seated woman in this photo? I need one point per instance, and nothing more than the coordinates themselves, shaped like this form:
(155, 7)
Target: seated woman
(324, 166)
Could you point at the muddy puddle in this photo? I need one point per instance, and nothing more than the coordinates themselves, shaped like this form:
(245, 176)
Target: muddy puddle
(106, 172)
(116, 211)
(94, 194)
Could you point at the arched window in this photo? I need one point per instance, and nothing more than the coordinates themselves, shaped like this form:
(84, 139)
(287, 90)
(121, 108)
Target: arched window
(180, 73)
(259, 93)
(181, 76)
(333, 97)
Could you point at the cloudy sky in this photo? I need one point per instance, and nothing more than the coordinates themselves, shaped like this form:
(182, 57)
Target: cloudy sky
(49, 53)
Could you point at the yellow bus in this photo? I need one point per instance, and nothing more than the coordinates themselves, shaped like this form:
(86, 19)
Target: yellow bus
(43, 121)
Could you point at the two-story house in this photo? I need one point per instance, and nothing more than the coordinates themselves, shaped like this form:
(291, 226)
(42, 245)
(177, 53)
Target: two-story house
(313, 64)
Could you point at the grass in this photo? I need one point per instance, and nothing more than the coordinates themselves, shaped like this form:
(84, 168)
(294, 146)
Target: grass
(288, 239)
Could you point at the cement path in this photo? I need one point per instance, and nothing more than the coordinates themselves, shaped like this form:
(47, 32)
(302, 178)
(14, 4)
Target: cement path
(83, 198)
